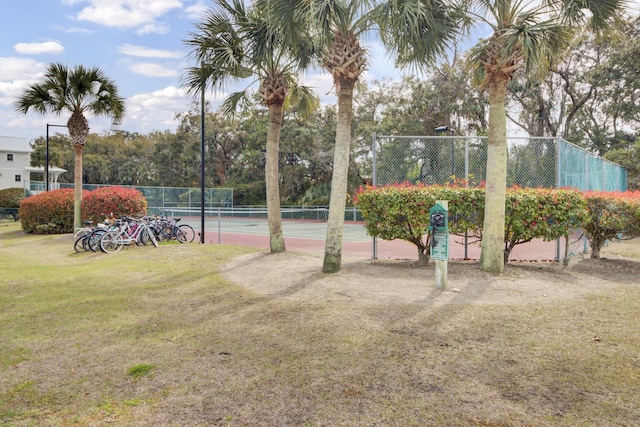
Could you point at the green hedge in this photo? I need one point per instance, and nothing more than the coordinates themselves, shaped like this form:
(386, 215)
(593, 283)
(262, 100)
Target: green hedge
(611, 215)
(541, 213)
(402, 212)
(11, 197)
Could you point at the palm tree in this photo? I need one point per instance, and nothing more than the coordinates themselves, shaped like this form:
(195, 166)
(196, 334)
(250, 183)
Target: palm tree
(523, 37)
(414, 30)
(235, 43)
(77, 91)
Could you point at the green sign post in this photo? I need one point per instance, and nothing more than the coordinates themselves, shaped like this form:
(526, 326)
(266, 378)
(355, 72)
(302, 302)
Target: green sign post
(439, 247)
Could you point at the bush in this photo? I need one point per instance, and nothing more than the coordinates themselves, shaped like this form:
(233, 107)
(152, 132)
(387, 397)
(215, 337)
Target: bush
(402, 212)
(11, 197)
(541, 213)
(611, 215)
(52, 211)
(49, 212)
(118, 201)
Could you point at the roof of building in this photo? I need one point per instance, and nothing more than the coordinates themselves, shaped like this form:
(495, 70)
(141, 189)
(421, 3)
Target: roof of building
(15, 144)
(52, 169)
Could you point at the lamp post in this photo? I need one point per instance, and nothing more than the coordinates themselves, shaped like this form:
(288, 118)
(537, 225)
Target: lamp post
(202, 153)
(441, 129)
(46, 156)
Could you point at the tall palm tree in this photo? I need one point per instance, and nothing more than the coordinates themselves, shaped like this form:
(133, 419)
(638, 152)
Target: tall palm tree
(340, 25)
(415, 31)
(77, 91)
(235, 43)
(525, 35)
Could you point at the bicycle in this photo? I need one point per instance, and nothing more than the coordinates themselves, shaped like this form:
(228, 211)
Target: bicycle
(127, 232)
(168, 229)
(86, 239)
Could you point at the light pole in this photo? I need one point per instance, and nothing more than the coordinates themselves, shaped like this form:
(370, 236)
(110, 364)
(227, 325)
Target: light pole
(202, 152)
(441, 129)
(46, 156)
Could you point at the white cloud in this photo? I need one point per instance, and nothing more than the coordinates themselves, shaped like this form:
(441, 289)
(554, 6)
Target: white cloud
(145, 52)
(12, 90)
(12, 68)
(38, 48)
(196, 11)
(154, 28)
(141, 14)
(156, 110)
(322, 84)
(70, 29)
(152, 70)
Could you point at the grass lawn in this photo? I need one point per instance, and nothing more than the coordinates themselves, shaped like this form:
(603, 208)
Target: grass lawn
(155, 336)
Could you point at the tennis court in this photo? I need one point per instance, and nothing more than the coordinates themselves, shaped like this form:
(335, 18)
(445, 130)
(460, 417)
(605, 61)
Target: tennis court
(309, 235)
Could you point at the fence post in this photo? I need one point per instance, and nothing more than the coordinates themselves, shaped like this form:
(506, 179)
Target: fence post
(466, 184)
(219, 228)
(374, 181)
(558, 174)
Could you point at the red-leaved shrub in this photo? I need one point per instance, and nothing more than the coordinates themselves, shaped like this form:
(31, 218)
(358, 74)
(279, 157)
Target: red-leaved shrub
(118, 201)
(49, 212)
(52, 211)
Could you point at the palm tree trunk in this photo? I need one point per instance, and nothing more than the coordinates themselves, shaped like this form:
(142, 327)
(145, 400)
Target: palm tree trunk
(492, 255)
(77, 186)
(274, 217)
(338, 200)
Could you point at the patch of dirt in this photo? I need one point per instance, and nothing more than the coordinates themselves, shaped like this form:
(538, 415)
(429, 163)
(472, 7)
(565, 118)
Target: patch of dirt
(298, 276)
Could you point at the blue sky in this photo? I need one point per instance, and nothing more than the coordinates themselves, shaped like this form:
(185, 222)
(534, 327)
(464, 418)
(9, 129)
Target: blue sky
(137, 43)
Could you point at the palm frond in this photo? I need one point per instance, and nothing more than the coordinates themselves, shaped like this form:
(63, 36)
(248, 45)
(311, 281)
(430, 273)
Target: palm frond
(233, 102)
(303, 100)
(598, 14)
(416, 32)
(79, 89)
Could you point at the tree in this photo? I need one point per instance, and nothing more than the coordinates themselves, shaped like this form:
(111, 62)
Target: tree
(77, 91)
(237, 43)
(523, 37)
(614, 109)
(590, 94)
(413, 30)
(628, 158)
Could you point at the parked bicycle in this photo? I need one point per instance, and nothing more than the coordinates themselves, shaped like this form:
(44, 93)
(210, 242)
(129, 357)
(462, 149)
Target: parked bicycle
(128, 231)
(168, 229)
(88, 237)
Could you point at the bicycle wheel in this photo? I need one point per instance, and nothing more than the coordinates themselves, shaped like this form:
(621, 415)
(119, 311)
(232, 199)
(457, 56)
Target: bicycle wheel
(93, 240)
(81, 233)
(166, 231)
(185, 233)
(147, 236)
(79, 245)
(152, 237)
(157, 232)
(111, 242)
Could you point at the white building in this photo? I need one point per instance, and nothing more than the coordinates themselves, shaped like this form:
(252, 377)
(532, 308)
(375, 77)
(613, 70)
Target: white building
(15, 165)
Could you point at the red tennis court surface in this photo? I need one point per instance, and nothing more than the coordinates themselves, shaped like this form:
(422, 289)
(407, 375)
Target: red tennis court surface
(304, 235)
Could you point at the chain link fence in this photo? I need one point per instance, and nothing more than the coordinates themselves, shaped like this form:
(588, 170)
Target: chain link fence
(531, 162)
(165, 200)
